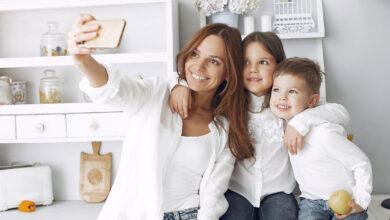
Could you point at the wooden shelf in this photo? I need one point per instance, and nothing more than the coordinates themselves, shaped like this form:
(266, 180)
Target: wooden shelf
(67, 60)
(59, 108)
(18, 5)
(59, 210)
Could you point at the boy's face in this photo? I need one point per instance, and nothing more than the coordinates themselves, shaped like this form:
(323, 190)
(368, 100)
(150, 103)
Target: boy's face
(290, 95)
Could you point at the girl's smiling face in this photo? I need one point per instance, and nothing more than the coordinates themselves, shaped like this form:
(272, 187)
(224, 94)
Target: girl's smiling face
(258, 69)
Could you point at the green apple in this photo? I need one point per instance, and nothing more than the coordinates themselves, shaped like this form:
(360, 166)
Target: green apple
(338, 202)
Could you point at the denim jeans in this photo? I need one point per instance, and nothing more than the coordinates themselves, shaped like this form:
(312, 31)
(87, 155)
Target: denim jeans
(186, 214)
(319, 210)
(273, 207)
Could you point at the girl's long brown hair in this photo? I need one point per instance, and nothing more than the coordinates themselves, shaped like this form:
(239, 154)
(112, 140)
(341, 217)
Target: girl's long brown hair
(274, 45)
(228, 100)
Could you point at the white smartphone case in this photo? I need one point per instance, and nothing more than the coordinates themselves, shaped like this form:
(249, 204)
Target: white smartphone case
(27, 183)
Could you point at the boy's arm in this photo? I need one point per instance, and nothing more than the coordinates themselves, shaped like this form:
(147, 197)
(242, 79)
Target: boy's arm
(328, 112)
(354, 160)
(300, 124)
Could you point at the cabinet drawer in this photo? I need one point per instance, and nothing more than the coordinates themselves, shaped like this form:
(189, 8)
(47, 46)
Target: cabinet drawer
(96, 125)
(40, 126)
(7, 127)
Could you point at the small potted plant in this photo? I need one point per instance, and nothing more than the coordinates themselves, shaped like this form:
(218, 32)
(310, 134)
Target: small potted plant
(224, 11)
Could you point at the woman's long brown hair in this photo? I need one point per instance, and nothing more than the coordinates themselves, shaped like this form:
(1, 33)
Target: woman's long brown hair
(229, 99)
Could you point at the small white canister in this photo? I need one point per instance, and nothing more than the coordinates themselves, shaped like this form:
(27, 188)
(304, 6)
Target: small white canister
(5, 90)
(50, 89)
(19, 92)
(266, 23)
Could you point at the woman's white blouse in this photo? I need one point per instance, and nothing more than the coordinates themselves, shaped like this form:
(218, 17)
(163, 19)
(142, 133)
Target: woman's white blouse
(185, 171)
(151, 141)
(271, 171)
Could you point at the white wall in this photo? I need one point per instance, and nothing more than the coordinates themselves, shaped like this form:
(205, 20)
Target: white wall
(357, 62)
(357, 58)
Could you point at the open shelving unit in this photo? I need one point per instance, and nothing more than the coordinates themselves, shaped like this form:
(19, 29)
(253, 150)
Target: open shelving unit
(148, 47)
(144, 50)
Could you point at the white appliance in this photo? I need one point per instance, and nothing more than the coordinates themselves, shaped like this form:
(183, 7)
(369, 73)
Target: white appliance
(18, 183)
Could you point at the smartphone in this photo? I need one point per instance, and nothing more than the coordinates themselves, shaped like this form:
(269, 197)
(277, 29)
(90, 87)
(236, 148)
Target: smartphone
(109, 34)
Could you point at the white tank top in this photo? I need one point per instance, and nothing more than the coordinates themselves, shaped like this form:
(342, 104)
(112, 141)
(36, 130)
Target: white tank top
(184, 173)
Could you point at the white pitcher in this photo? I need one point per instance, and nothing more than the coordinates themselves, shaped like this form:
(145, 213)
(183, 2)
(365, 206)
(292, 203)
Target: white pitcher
(5, 90)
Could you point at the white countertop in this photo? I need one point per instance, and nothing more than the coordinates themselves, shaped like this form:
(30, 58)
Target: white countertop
(80, 210)
(59, 210)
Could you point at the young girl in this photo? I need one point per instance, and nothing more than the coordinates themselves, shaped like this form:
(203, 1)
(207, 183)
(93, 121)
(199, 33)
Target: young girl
(261, 187)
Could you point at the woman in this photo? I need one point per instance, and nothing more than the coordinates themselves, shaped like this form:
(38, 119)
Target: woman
(169, 166)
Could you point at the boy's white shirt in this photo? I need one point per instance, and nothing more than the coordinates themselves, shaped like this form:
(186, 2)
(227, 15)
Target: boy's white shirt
(271, 171)
(330, 162)
(137, 190)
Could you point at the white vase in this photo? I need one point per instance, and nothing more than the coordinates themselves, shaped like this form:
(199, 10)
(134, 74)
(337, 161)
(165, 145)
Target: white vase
(224, 17)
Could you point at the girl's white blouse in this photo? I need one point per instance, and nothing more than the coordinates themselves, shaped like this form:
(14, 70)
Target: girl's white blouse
(151, 140)
(271, 171)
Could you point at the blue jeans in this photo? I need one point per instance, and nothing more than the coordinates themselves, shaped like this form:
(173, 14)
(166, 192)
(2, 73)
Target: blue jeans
(186, 214)
(319, 210)
(276, 206)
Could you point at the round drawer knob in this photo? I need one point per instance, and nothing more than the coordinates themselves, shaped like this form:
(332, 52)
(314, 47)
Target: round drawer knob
(93, 126)
(40, 127)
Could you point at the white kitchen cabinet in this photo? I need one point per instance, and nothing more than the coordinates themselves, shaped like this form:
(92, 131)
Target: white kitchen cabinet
(55, 134)
(96, 125)
(40, 126)
(7, 128)
(148, 48)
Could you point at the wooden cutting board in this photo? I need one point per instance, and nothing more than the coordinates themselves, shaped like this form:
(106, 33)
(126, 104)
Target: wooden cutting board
(95, 175)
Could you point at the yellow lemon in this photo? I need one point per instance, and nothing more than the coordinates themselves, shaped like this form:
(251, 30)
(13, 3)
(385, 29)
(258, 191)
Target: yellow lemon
(338, 202)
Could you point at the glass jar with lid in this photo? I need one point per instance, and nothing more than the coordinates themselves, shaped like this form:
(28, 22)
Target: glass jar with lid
(50, 88)
(53, 42)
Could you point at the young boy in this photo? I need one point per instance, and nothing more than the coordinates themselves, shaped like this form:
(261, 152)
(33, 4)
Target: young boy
(328, 161)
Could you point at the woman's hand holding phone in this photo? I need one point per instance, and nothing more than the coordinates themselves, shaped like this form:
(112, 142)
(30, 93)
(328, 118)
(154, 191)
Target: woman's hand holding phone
(81, 32)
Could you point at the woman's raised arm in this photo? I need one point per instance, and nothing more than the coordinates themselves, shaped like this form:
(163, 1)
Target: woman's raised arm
(81, 31)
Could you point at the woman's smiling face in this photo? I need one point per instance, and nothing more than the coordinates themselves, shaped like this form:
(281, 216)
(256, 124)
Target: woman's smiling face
(205, 67)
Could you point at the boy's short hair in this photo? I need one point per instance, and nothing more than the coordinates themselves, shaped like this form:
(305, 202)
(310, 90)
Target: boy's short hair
(303, 68)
